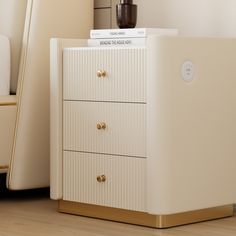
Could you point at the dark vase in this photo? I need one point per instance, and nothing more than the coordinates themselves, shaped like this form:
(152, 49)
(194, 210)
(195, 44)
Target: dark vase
(126, 14)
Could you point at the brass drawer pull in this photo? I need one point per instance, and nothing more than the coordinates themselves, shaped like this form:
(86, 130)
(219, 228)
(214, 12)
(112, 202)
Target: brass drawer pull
(101, 126)
(101, 178)
(101, 74)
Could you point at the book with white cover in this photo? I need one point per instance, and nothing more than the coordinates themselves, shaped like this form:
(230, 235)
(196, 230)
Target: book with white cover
(130, 33)
(117, 42)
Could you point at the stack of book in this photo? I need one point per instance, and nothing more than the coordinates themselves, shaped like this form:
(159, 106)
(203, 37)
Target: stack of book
(125, 37)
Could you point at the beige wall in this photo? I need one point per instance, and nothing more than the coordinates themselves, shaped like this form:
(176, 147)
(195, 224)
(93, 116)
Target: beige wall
(191, 17)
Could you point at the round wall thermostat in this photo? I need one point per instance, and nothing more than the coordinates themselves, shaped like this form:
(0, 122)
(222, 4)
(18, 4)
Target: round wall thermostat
(187, 71)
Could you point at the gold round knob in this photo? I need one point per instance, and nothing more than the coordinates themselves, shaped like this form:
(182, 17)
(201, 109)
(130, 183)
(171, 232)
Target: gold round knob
(101, 178)
(101, 126)
(101, 73)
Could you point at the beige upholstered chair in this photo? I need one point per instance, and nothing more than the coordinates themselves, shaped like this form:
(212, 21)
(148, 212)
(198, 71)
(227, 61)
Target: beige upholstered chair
(24, 115)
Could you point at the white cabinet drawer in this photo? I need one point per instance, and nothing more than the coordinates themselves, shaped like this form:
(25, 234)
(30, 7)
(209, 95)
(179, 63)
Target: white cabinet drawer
(124, 80)
(124, 133)
(123, 186)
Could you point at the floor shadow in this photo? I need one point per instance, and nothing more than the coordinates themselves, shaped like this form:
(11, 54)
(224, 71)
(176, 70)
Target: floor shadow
(21, 194)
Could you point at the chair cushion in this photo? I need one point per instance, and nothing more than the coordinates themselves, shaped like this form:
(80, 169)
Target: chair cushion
(12, 19)
(4, 65)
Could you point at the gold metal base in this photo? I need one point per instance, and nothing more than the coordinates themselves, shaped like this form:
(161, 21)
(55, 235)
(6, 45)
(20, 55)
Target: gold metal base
(144, 219)
(4, 167)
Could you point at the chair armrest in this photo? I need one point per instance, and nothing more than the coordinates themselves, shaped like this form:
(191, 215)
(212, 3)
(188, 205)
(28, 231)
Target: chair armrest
(8, 100)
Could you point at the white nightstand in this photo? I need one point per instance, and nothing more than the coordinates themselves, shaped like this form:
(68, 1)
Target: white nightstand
(133, 141)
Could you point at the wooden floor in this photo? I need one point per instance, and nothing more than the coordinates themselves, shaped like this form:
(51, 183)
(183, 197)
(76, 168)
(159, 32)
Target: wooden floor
(27, 213)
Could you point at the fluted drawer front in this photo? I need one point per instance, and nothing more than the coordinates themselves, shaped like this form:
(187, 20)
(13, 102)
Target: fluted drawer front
(121, 78)
(123, 134)
(105, 180)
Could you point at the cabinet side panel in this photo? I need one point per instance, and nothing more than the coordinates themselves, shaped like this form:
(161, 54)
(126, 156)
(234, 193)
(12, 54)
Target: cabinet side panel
(191, 125)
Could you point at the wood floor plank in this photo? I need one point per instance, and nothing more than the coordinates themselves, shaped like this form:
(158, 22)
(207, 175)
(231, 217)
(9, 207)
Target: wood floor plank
(38, 216)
